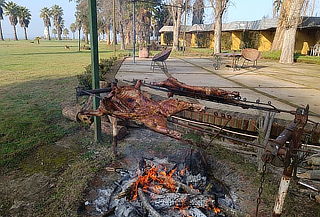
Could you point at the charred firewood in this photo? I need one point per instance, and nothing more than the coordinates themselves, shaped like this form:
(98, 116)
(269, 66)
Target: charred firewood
(147, 205)
(195, 212)
(187, 189)
(168, 200)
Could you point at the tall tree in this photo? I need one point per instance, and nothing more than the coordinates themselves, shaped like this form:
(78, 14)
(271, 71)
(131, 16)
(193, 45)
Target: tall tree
(73, 29)
(198, 11)
(284, 12)
(54, 32)
(289, 36)
(220, 7)
(45, 14)
(2, 5)
(106, 14)
(12, 10)
(65, 33)
(162, 16)
(24, 16)
(57, 13)
(176, 10)
(82, 18)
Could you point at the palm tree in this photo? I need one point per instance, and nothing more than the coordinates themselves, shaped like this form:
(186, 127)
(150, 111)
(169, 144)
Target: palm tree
(12, 10)
(45, 14)
(24, 19)
(2, 5)
(54, 32)
(57, 13)
(73, 29)
(65, 33)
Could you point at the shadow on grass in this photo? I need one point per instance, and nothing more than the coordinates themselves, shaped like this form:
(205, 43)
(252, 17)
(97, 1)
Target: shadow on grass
(31, 117)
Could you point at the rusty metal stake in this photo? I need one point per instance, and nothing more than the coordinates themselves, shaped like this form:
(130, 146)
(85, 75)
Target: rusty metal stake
(300, 120)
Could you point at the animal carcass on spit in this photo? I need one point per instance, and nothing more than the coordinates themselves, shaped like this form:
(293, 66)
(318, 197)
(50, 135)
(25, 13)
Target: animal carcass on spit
(196, 91)
(128, 102)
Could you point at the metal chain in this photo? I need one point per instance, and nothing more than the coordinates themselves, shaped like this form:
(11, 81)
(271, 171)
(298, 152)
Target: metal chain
(262, 179)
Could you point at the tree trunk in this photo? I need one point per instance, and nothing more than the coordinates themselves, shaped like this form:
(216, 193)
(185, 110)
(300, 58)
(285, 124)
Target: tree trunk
(1, 34)
(108, 36)
(79, 39)
(123, 46)
(73, 36)
(86, 38)
(15, 33)
(48, 29)
(25, 33)
(128, 37)
(176, 29)
(59, 34)
(291, 25)
(278, 37)
(217, 33)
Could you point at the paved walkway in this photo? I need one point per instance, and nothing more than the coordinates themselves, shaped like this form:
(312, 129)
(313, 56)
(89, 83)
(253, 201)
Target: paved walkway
(286, 86)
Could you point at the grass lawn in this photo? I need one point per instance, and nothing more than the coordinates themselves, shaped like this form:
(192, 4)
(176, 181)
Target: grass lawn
(35, 80)
(37, 144)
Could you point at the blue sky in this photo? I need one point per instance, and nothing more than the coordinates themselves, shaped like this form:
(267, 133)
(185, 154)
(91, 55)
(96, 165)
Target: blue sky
(239, 10)
(36, 26)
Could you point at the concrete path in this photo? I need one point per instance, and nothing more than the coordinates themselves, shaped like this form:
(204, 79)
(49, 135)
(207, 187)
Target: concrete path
(286, 86)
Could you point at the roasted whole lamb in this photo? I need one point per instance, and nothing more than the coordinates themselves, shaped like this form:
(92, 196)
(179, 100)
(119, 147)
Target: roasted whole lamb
(196, 91)
(129, 102)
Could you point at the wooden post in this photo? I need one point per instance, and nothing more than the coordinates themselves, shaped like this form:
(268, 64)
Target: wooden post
(94, 64)
(261, 134)
(114, 123)
(264, 135)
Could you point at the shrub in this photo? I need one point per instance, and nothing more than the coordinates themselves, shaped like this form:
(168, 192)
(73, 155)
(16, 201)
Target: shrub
(105, 66)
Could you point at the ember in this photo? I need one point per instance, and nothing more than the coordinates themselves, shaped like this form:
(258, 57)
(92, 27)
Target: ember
(160, 188)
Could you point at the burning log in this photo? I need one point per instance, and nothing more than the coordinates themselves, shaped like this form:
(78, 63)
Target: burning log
(146, 204)
(158, 188)
(187, 189)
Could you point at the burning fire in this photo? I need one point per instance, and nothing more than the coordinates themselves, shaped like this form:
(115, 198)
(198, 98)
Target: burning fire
(154, 180)
(159, 180)
(216, 210)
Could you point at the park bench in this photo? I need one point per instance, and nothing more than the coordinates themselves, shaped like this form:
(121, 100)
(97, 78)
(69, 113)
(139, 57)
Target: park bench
(161, 59)
(251, 55)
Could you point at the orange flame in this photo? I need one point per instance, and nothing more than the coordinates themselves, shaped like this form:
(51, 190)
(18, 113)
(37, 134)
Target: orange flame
(155, 179)
(216, 210)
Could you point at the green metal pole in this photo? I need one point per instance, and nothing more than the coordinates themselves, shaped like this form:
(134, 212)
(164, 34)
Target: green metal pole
(114, 30)
(94, 64)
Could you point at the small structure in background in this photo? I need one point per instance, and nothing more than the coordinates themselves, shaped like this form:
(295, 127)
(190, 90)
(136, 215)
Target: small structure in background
(257, 34)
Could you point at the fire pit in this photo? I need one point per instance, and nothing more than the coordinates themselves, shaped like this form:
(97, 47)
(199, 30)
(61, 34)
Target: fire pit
(160, 187)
